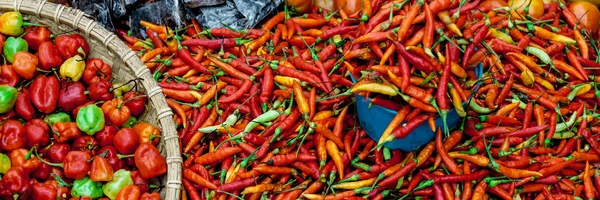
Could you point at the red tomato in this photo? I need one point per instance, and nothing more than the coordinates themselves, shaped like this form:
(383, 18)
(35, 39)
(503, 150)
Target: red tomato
(587, 13)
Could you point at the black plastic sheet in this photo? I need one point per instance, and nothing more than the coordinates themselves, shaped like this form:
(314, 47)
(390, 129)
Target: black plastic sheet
(104, 11)
(238, 14)
(164, 12)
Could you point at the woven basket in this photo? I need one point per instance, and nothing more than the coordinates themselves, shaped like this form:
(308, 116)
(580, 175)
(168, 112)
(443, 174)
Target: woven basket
(126, 66)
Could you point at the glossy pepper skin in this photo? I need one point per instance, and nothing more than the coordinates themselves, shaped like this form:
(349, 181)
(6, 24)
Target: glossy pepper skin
(85, 143)
(37, 133)
(111, 156)
(13, 135)
(126, 141)
(11, 23)
(23, 106)
(36, 35)
(71, 45)
(115, 111)
(4, 163)
(101, 170)
(96, 70)
(12, 46)
(149, 170)
(136, 106)
(15, 183)
(76, 164)
(90, 119)
(17, 159)
(121, 178)
(106, 135)
(128, 193)
(147, 133)
(100, 91)
(150, 196)
(71, 96)
(8, 97)
(51, 119)
(72, 68)
(44, 93)
(8, 76)
(43, 191)
(65, 131)
(48, 56)
(25, 64)
(57, 152)
(85, 187)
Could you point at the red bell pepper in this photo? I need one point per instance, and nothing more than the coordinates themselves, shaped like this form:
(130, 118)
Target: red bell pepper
(71, 96)
(37, 133)
(8, 76)
(71, 45)
(106, 135)
(14, 184)
(126, 141)
(43, 191)
(48, 56)
(36, 35)
(76, 164)
(137, 105)
(44, 93)
(23, 107)
(57, 152)
(96, 70)
(100, 91)
(145, 153)
(13, 135)
(25, 64)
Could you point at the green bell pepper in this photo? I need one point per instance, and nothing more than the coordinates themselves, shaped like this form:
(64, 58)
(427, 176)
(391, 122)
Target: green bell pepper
(121, 178)
(86, 188)
(12, 46)
(4, 163)
(90, 119)
(8, 97)
(57, 117)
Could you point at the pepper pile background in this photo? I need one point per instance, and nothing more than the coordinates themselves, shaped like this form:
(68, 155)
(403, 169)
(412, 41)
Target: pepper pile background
(65, 130)
(268, 112)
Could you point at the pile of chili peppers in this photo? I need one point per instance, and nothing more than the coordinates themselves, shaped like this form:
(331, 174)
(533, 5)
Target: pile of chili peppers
(66, 132)
(267, 112)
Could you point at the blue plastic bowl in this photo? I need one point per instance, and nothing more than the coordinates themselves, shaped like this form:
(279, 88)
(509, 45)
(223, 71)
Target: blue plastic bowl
(375, 120)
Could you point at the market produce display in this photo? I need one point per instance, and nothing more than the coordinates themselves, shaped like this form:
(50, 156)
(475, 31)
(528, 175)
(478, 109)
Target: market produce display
(268, 112)
(66, 131)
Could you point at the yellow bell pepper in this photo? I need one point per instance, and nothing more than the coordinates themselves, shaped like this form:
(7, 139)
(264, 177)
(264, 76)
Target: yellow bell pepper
(11, 23)
(73, 68)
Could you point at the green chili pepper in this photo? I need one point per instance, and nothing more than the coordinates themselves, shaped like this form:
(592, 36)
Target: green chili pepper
(8, 97)
(121, 178)
(264, 118)
(4, 163)
(86, 188)
(478, 108)
(90, 119)
(57, 117)
(562, 126)
(574, 92)
(12, 46)
(387, 155)
(540, 53)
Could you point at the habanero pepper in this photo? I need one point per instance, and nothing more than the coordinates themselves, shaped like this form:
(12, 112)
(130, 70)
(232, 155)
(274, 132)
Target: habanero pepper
(25, 64)
(36, 35)
(15, 183)
(48, 56)
(146, 152)
(8, 98)
(115, 111)
(72, 45)
(8, 76)
(147, 133)
(13, 135)
(11, 23)
(71, 96)
(121, 178)
(86, 187)
(72, 68)
(75, 166)
(12, 46)
(95, 71)
(90, 119)
(100, 91)
(136, 102)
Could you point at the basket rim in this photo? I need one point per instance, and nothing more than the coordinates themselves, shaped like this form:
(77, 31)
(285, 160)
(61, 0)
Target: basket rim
(83, 23)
